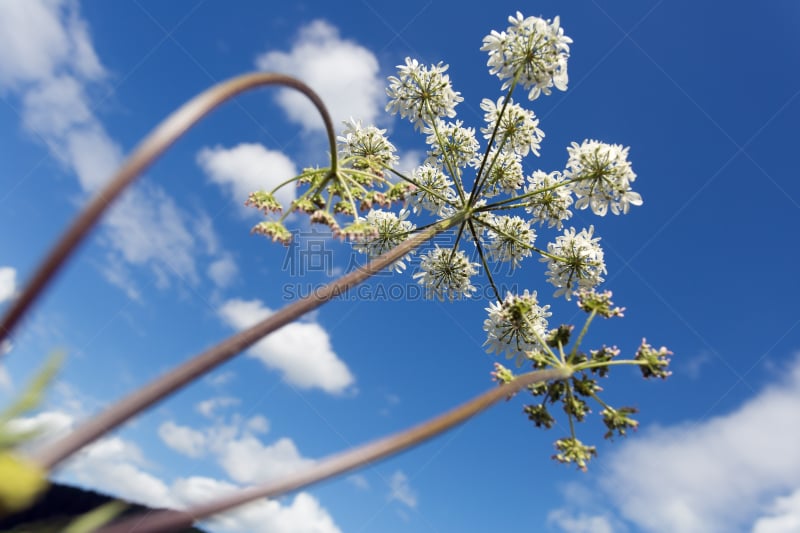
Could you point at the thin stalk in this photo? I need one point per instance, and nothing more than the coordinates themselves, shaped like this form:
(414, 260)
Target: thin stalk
(584, 329)
(155, 144)
(483, 261)
(336, 464)
(202, 363)
(481, 179)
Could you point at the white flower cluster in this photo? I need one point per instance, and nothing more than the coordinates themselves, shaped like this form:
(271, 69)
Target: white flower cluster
(550, 198)
(532, 50)
(531, 53)
(509, 240)
(503, 172)
(517, 128)
(389, 231)
(433, 189)
(422, 94)
(367, 145)
(602, 177)
(575, 261)
(516, 325)
(446, 273)
(451, 144)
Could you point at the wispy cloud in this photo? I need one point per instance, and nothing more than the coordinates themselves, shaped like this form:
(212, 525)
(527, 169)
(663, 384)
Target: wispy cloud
(208, 408)
(400, 490)
(48, 60)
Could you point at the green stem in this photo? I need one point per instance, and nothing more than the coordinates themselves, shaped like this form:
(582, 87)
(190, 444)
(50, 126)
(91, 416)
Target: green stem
(426, 189)
(590, 365)
(584, 329)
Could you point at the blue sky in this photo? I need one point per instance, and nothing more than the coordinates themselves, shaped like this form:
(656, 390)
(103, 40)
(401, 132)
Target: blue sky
(707, 99)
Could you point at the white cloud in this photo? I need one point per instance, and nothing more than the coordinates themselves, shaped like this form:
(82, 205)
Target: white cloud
(111, 464)
(185, 440)
(118, 466)
(301, 351)
(715, 475)
(258, 424)
(221, 379)
(248, 460)
(408, 161)
(359, 481)
(8, 283)
(5, 378)
(50, 425)
(37, 37)
(401, 491)
(147, 228)
(580, 523)
(223, 271)
(48, 60)
(303, 515)
(208, 407)
(246, 168)
(784, 516)
(244, 457)
(116, 273)
(343, 73)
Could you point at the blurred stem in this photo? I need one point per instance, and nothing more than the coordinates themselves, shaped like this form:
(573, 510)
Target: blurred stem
(339, 463)
(153, 146)
(195, 367)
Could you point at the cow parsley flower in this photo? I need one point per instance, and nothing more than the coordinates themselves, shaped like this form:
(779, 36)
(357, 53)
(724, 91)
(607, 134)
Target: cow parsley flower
(603, 177)
(503, 173)
(534, 47)
(579, 262)
(422, 94)
(446, 273)
(516, 325)
(518, 126)
(451, 143)
(368, 145)
(433, 190)
(390, 229)
(550, 205)
(509, 240)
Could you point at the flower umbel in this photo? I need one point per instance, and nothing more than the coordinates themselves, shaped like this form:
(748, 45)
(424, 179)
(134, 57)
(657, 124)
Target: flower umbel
(552, 204)
(517, 128)
(602, 176)
(445, 272)
(516, 325)
(390, 230)
(421, 93)
(509, 240)
(433, 189)
(575, 261)
(368, 146)
(451, 143)
(532, 48)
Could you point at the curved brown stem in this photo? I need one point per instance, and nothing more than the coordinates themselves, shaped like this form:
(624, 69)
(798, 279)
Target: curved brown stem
(187, 372)
(155, 144)
(336, 464)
